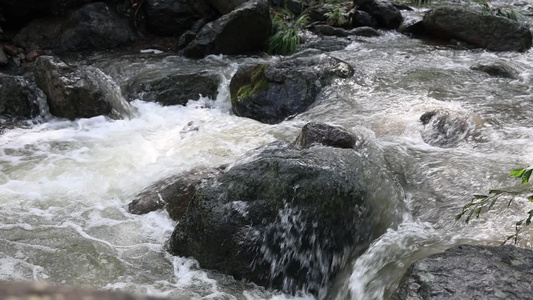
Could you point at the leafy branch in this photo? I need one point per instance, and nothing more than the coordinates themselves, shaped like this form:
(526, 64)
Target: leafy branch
(475, 207)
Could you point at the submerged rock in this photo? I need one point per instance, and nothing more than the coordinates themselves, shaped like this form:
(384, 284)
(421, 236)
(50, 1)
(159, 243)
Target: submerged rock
(496, 69)
(42, 291)
(470, 272)
(244, 30)
(94, 26)
(81, 92)
(485, 31)
(272, 92)
(324, 134)
(19, 97)
(384, 12)
(447, 128)
(173, 193)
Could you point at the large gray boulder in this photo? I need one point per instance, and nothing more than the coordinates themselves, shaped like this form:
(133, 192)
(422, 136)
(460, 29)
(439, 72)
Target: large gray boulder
(470, 272)
(485, 31)
(246, 29)
(81, 92)
(285, 217)
(386, 14)
(274, 91)
(93, 26)
(19, 97)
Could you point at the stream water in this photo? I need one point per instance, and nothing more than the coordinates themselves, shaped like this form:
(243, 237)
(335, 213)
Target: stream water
(65, 185)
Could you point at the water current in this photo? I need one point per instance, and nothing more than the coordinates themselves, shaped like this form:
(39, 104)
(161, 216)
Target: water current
(65, 185)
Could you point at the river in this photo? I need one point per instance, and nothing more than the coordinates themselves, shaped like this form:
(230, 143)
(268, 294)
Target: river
(65, 185)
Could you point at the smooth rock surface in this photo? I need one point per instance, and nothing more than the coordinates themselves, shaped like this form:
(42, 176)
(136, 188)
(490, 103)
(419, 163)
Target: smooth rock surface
(470, 272)
(485, 31)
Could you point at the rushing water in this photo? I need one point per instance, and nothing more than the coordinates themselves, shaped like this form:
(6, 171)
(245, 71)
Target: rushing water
(65, 185)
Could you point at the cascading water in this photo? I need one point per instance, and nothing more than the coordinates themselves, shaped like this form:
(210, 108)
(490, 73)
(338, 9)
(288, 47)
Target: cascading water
(65, 185)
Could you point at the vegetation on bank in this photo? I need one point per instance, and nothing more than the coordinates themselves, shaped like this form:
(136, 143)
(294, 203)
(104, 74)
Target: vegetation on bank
(286, 28)
(479, 203)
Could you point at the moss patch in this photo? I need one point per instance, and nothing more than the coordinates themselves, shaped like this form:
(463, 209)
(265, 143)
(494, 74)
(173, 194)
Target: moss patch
(257, 84)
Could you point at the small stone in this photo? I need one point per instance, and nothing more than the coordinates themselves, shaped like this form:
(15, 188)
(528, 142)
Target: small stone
(12, 50)
(33, 55)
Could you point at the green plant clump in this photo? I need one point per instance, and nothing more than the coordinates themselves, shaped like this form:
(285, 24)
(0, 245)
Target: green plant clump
(286, 38)
(337, 16)
(258, 83)
(479, 202)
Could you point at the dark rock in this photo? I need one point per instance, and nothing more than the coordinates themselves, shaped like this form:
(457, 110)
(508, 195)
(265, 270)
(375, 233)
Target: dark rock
(496, 69)
(41, 291)
(32, 55)
(272, 92)
(283, 217)
(329, 30)
(485, 31)
(383, 11)
(363, 19)
(401, 6)
(470, 272)
(246, 29)
(12, 50)
(168, 87)
(445, 128)
(94, 26)
(3, 57)
(185, 39)
(364, 31)
(173, 193)
(170, 17)
(415, 29)
(18, 97)
(318, 13)
(295, 6)
(226, 6)
(326, 44)
(81, 92)
(324, 134)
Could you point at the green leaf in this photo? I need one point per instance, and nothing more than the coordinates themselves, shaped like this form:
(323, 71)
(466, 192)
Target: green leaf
(525, 177)
(517, 173)
(497, 192)
(480, 196)
(530, 198)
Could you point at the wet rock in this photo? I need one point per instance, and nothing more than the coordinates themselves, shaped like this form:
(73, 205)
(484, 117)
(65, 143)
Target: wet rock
(282, 217)
(246, 29)
(329, 30)
(496, 69)
(272, 92)
(318, 13)
(19, 97)
(383, 11)
(78, 92)
(169, 87)
(446, 128)
(12, 50)
(173, 193)
(485, 31)
(324, 134)
(296, 6)
(170, 17)
(94, 26)
(470, 272)
(364, 31)
(363, 19)
(326, 44)
(42, 291)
